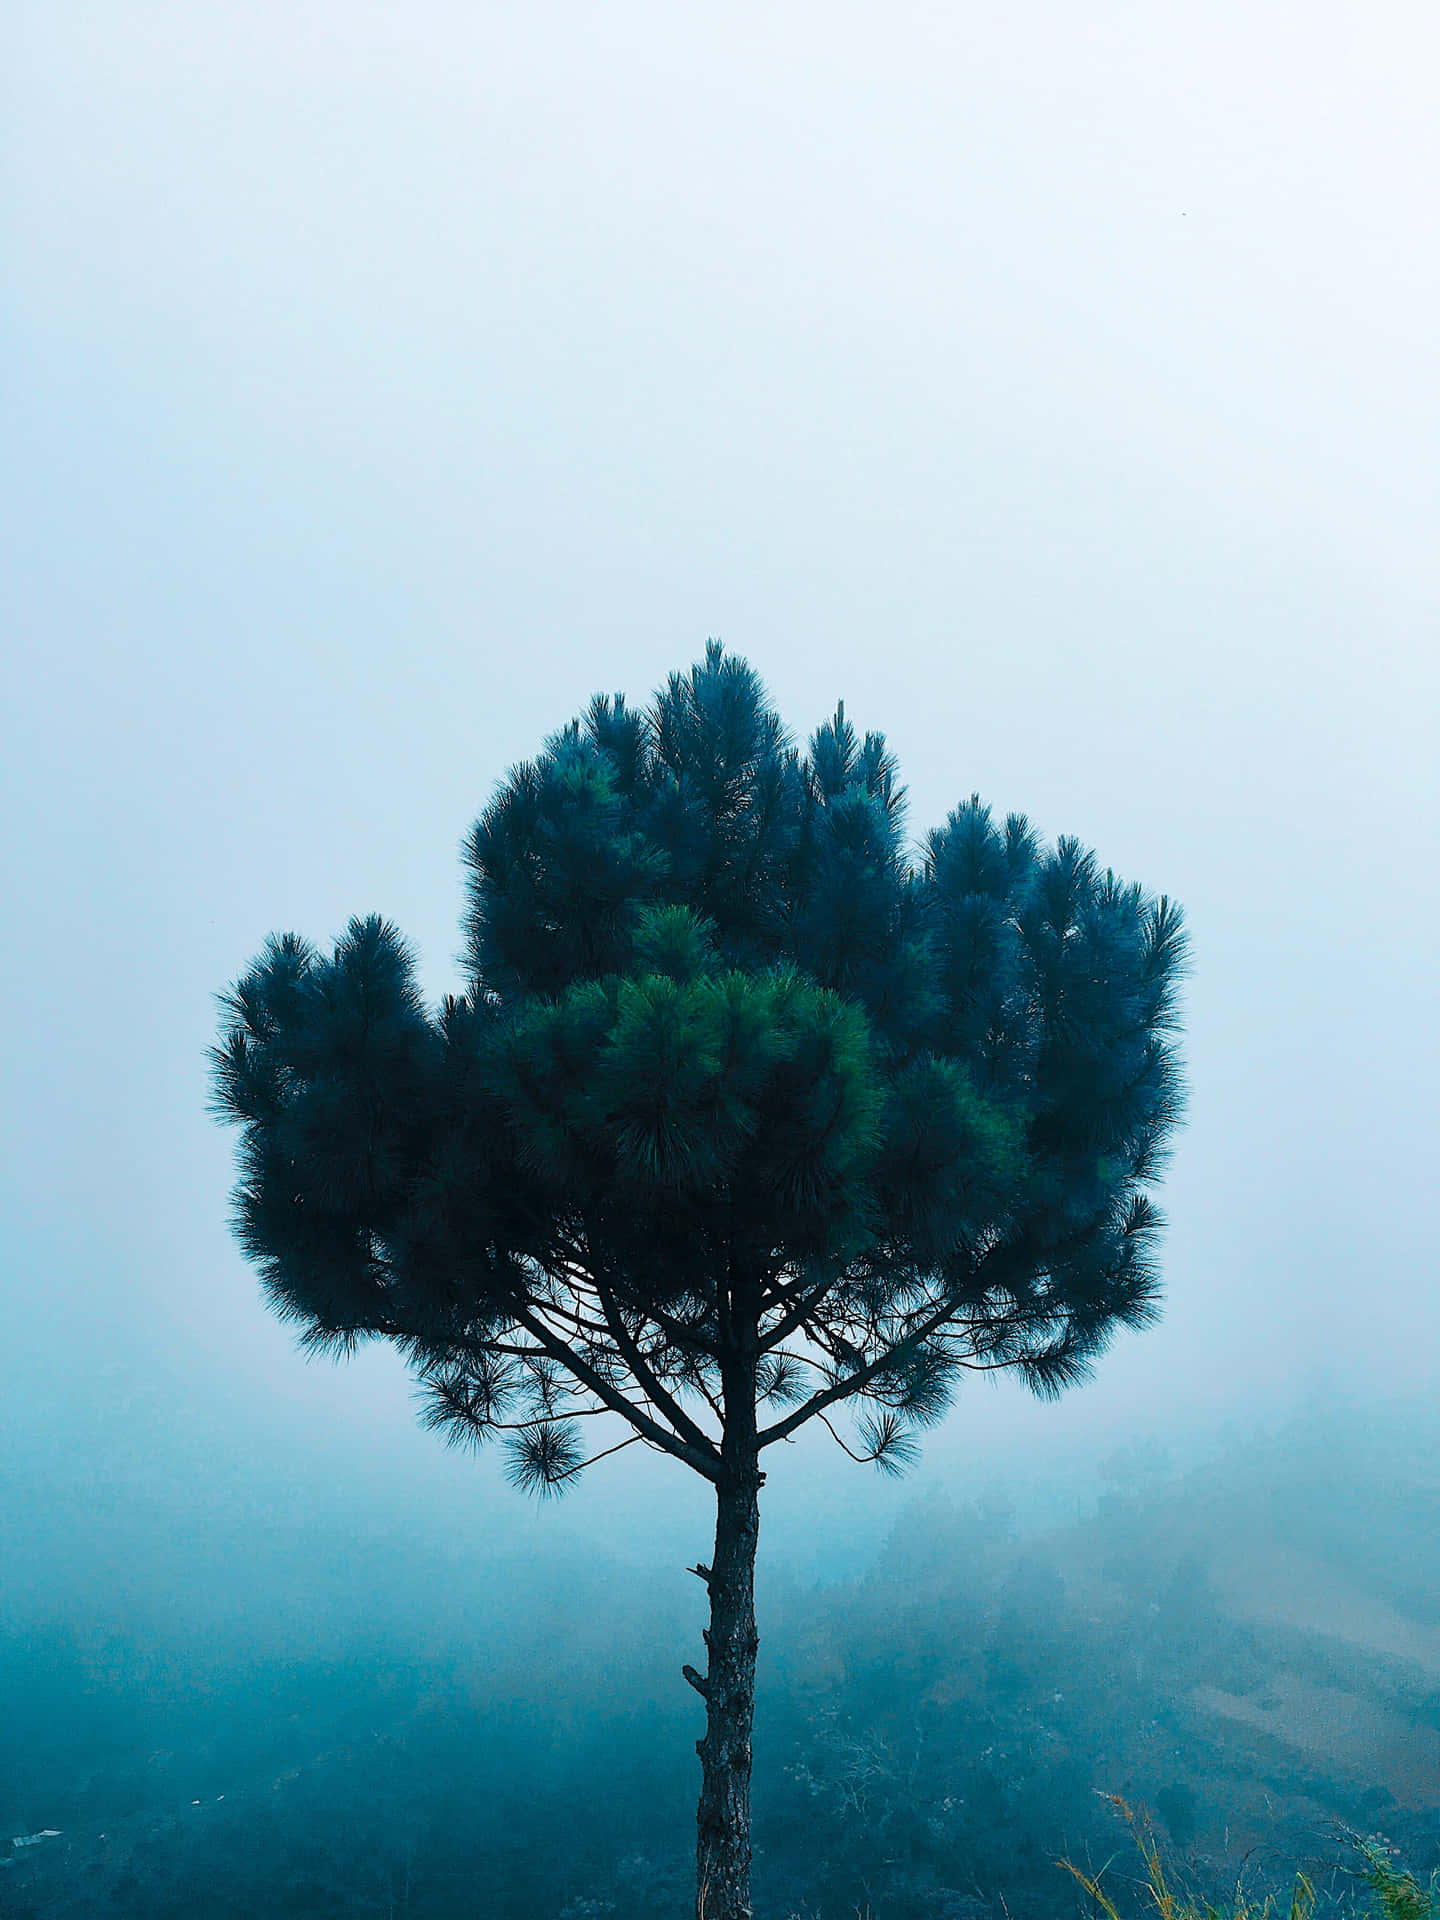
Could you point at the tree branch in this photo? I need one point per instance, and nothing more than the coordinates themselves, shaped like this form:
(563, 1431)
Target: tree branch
(698, 1681)
(636, 1439)
(706, 1462)
(799, 1314)
(860, 1459)
(684, 1426)
(921, 1329)
(842, 1389)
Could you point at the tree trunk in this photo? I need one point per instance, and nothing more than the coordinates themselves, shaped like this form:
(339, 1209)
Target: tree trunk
(722, 1854)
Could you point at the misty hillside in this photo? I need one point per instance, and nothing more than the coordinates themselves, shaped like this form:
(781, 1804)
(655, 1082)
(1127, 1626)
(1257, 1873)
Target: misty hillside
(1251, 1649)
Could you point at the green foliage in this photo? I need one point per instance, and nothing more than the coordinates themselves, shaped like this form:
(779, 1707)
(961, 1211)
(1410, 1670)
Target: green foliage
(1396, 1893)
(1167, 1903)
(745, 1102)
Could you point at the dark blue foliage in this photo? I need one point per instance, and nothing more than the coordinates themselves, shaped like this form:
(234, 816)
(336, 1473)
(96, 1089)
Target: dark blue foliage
(743, 1089)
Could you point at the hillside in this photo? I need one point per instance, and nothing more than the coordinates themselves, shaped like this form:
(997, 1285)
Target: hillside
(1251, 1650)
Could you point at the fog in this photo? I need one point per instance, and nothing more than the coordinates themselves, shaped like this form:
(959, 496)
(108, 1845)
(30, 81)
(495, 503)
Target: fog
(1057, 387)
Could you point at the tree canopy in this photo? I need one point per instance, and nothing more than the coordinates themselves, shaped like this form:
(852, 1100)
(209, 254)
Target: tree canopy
(736, 1068)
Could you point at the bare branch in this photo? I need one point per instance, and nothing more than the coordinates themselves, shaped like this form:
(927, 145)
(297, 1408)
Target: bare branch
(635, 1439)
(807, 1299)
(698, 1681)
(684, 1426)
(852, 1383)
(704, 1461)
(860, 1459)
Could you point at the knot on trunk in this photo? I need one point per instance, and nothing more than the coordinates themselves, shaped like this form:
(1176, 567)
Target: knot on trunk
(697, 1680)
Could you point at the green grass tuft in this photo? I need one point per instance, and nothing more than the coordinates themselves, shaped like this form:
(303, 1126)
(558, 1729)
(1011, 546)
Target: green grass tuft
(1395, 1893)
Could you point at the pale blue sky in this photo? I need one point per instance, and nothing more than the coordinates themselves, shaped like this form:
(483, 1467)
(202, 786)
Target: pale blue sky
(1058, 385)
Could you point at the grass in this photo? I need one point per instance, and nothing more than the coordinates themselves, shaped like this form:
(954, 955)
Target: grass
(1395, 1894)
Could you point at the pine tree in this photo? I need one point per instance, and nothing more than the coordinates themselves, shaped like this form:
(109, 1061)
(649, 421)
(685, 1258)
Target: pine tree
(749, 1116)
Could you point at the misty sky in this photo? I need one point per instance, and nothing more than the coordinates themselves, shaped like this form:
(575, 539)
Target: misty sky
(1055, 384)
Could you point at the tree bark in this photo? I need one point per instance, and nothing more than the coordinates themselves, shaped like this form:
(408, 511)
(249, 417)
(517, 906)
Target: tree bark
(722, 1854)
